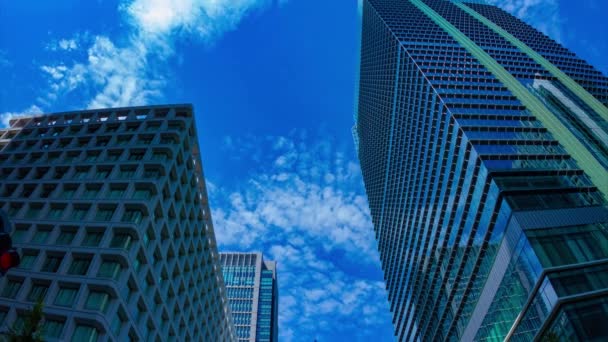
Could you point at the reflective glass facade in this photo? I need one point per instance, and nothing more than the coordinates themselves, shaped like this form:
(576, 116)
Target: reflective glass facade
(111, 216)
(483, 145)
(252, 289)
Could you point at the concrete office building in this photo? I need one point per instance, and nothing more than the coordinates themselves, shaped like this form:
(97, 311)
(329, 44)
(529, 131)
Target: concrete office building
(111, 218)
(251, 284)
(484, 150)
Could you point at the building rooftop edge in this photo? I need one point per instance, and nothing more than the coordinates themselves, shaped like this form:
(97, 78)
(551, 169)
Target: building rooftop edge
(189, 105)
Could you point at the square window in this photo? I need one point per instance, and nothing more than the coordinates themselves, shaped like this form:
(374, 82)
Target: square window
(52, 328)
(80, 266)
(41, 235)
(56, 212)
(37, 293)
(117, 191)
(121, 240)
(97, 300)
(52, 263)
(109, 269)
(66, 296)
(79, 212)
(11, 288)
(85, 333)
(92, 239)
(91, 191)
(113, 155)
(132, 216)
(65, 237)
(27, 260)
(104, 214)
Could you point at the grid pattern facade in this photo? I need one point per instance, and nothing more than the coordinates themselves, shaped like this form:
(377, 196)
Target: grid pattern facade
(112, 221)
(475, 201)
(252, 289)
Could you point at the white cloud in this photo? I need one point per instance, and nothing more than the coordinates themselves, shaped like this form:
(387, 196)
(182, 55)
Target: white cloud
(68, 44)
(308, 213)
(542, 14)
(6, 117)
(133, 73)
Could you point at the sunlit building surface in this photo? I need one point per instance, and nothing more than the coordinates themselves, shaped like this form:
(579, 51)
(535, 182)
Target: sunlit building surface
(484, 150)
(110, 216)
(253, 293)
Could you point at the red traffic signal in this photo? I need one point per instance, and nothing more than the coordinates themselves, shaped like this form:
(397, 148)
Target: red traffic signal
(9, 257)
(8, 260)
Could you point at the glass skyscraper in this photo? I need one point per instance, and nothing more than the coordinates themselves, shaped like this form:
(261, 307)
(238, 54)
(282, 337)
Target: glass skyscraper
(251, 284)
(484, 150)
(112, 222)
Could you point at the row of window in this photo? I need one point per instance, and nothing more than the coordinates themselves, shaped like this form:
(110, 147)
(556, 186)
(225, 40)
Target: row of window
(91, 156)
(75, 212)
(90, 129)
(66, 236)
(88, 141)
(79, 265)
(104, 116)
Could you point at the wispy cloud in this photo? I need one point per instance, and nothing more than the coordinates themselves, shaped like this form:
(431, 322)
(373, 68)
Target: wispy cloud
(6, 117)
(129, 73)
(303, 205)
(542, 14)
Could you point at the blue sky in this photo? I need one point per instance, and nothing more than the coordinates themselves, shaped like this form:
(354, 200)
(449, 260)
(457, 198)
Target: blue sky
(273, 84)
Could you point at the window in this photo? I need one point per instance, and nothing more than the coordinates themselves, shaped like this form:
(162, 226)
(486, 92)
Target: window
(12, 288)
(121, 240)
(152, 172)
(102, 141)
(52, 263)
(109, 269)
(80, 266)
(153, 126)
(14, 209)
(117, 322)
(59, 172)
(127, 172)
(92, 156)
(103, 172)
(145, 139)
(117, 191)
(66, 296)
(20, 234)
(79, 212)
(37, 293)
(66, 236)
(81, 173)
(27, 260)
(41, 235)
(84, 333)
(68, 191)
(97, 300)
(160, 156)
(123, 140)
(52, 157)
(133, 216)
(91, 191)
(33, 211)
(142, 194)
(136, 155)
(52, 328)
(132, 127)
(47, 190)
(56, 212)
(70, 157)
(92, 238)
(104, 214)
(113, 155)
(112, 128)
(83, 142)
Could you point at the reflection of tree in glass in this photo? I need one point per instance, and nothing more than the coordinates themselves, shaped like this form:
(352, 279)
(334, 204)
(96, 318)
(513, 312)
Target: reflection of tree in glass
(29, 328)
